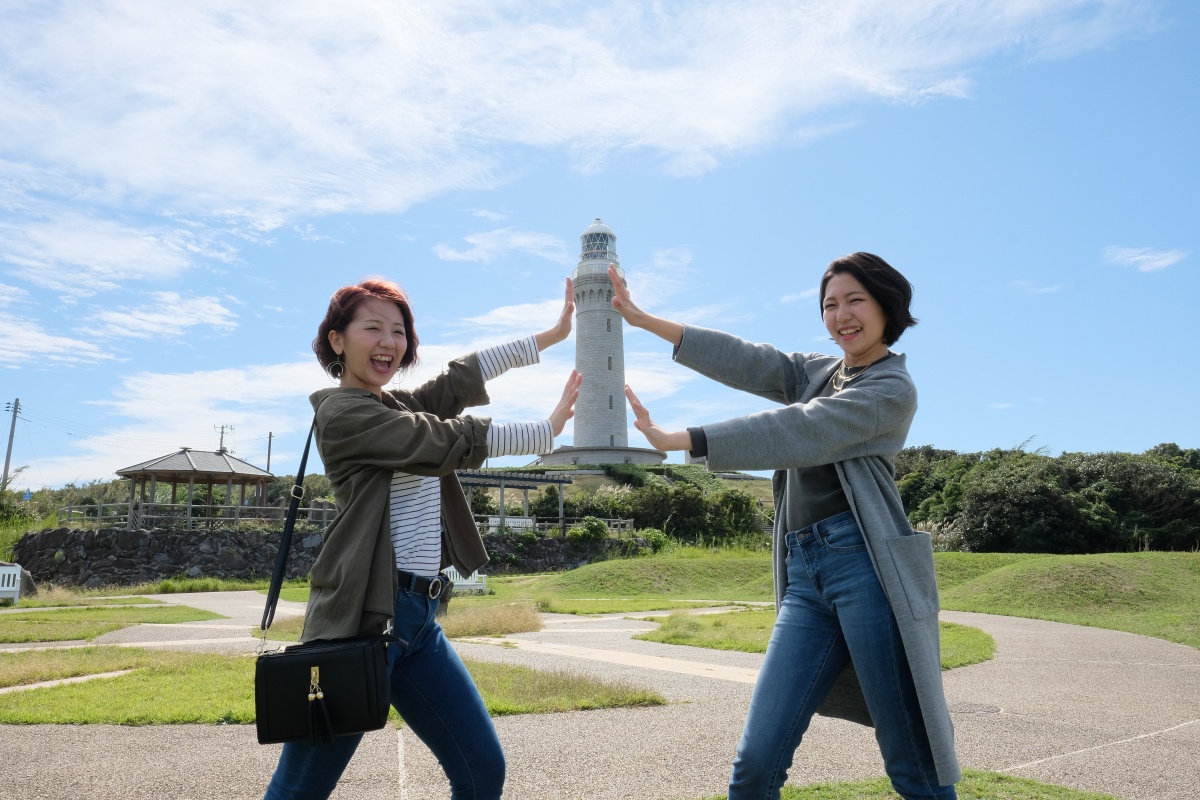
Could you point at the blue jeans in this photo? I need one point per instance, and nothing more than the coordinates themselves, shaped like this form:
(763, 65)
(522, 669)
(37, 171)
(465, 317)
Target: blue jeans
(834, 612)
(437, 699)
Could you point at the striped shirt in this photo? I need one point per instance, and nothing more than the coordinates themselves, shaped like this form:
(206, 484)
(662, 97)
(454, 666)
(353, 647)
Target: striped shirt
(416, 500)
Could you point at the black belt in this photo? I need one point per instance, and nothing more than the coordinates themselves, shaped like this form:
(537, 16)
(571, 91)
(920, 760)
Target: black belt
(419, 584)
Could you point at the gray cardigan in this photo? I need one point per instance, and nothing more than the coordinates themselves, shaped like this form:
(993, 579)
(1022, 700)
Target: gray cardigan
(859, 430)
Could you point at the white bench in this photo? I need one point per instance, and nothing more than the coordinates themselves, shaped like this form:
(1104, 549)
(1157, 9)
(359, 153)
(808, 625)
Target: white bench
(474, 583)
(10, 582)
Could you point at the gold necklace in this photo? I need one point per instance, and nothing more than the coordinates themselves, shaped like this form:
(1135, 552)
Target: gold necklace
(842, 377)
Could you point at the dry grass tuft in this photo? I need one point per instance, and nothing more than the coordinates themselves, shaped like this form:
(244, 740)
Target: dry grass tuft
(492, 619)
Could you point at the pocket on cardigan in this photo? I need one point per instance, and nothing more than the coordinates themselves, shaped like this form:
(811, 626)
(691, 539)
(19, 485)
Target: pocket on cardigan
(913, 558)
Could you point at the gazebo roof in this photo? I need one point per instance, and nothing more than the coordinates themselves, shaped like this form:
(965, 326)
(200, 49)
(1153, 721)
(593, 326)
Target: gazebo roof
(188, 464)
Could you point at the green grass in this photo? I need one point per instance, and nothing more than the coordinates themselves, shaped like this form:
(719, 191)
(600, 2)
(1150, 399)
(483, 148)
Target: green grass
(975, 785)
(58, 597)
(512, 689)
(283, 629)
(749, 631)
(682, 577)
(1153, 594)
(166, 687)
(1147, 593)
(462, 619)
(11, 532)
(70, 624)
(170, 687)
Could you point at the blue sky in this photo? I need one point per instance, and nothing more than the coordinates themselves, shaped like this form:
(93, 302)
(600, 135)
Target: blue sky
(183, 185)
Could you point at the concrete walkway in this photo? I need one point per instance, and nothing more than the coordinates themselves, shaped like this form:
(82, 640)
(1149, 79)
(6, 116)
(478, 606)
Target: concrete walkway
(1092, 709)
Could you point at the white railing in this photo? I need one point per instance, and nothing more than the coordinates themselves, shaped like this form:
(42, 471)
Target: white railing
(176, 515)
(492, 524)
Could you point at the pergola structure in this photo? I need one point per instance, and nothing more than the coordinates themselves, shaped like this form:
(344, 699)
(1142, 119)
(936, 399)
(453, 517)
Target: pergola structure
(190, 468)
(470, 479)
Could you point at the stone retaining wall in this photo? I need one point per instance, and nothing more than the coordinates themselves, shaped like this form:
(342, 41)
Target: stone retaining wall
(120, 557)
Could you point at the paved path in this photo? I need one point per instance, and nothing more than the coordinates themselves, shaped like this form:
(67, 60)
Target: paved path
(1093, 709)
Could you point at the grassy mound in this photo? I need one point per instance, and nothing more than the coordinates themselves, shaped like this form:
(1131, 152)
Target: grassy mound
(1148, 593)
(682, 574)
(750, 630)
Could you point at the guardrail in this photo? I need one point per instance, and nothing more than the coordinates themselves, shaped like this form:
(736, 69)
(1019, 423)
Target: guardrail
(491, 523)
(174, 515)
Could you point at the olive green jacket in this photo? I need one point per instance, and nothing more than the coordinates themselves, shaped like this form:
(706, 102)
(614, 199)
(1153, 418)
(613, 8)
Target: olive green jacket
(363, 439)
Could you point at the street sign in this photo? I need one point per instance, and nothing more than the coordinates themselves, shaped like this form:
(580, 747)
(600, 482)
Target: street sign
(28, 496)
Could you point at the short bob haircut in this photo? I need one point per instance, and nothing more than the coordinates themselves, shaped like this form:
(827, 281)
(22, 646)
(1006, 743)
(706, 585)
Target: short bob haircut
(884, 283)
(342, 307)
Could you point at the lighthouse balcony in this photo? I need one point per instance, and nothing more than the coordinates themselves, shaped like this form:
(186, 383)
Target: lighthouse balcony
(594, 268)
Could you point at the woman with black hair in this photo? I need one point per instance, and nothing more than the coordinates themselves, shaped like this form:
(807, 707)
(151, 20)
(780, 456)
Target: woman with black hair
(856, 632)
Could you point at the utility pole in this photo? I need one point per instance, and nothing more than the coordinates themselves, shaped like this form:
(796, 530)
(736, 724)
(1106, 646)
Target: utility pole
(222, 428)
(15, 407)
(270, 436)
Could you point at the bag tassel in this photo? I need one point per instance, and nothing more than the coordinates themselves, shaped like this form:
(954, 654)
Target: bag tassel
(320, 727)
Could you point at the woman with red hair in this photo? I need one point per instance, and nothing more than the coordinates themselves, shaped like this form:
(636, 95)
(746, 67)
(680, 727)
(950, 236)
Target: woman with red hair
(390, 456)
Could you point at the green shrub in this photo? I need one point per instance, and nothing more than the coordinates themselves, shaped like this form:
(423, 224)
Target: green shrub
(629, 474)
(654, 537)
(589, 530)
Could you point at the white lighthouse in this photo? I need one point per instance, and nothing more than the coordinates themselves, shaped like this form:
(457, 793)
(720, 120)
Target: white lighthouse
(601, 426)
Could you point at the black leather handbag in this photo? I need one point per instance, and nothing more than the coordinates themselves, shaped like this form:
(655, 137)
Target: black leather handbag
(321, 689)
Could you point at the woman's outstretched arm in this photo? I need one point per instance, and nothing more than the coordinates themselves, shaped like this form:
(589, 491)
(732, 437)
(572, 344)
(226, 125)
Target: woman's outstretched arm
(760, 369)
(659, 438)
(662, 328)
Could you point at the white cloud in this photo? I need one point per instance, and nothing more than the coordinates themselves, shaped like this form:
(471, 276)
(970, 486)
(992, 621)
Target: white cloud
(271, 111)
(1143, 259)
(669, 274)
(505, 320)
(491, 216)
(1001, 406)
(309, 234)
(24, 341)
(807, 294)
(170, 316)
(486, 247)
(161, 412)
(11, 294)
(79, 255)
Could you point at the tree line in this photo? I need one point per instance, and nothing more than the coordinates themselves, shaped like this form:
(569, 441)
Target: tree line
(1002, 500)
(1014, 501)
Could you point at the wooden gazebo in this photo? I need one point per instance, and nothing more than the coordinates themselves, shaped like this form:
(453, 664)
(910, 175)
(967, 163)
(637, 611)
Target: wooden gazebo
(190, 468)
(522, 481)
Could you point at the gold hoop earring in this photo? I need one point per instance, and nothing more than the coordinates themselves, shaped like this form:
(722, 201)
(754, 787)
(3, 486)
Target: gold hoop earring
(335, 370)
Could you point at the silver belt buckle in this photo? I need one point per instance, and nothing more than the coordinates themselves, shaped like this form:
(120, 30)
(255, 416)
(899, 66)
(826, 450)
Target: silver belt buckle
(436, 585)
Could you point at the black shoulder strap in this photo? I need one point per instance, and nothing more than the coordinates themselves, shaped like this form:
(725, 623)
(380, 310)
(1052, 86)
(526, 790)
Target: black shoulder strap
(285, 542)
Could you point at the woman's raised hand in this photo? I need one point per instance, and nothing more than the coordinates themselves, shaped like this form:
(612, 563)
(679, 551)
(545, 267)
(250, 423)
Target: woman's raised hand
(566, 404)
(622, 302)
(665, 329)
(659, 439)
(562, 328)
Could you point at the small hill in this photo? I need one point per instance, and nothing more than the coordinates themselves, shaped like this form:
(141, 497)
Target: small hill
(1154, 594)
(707, 576)
(1149, 593)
